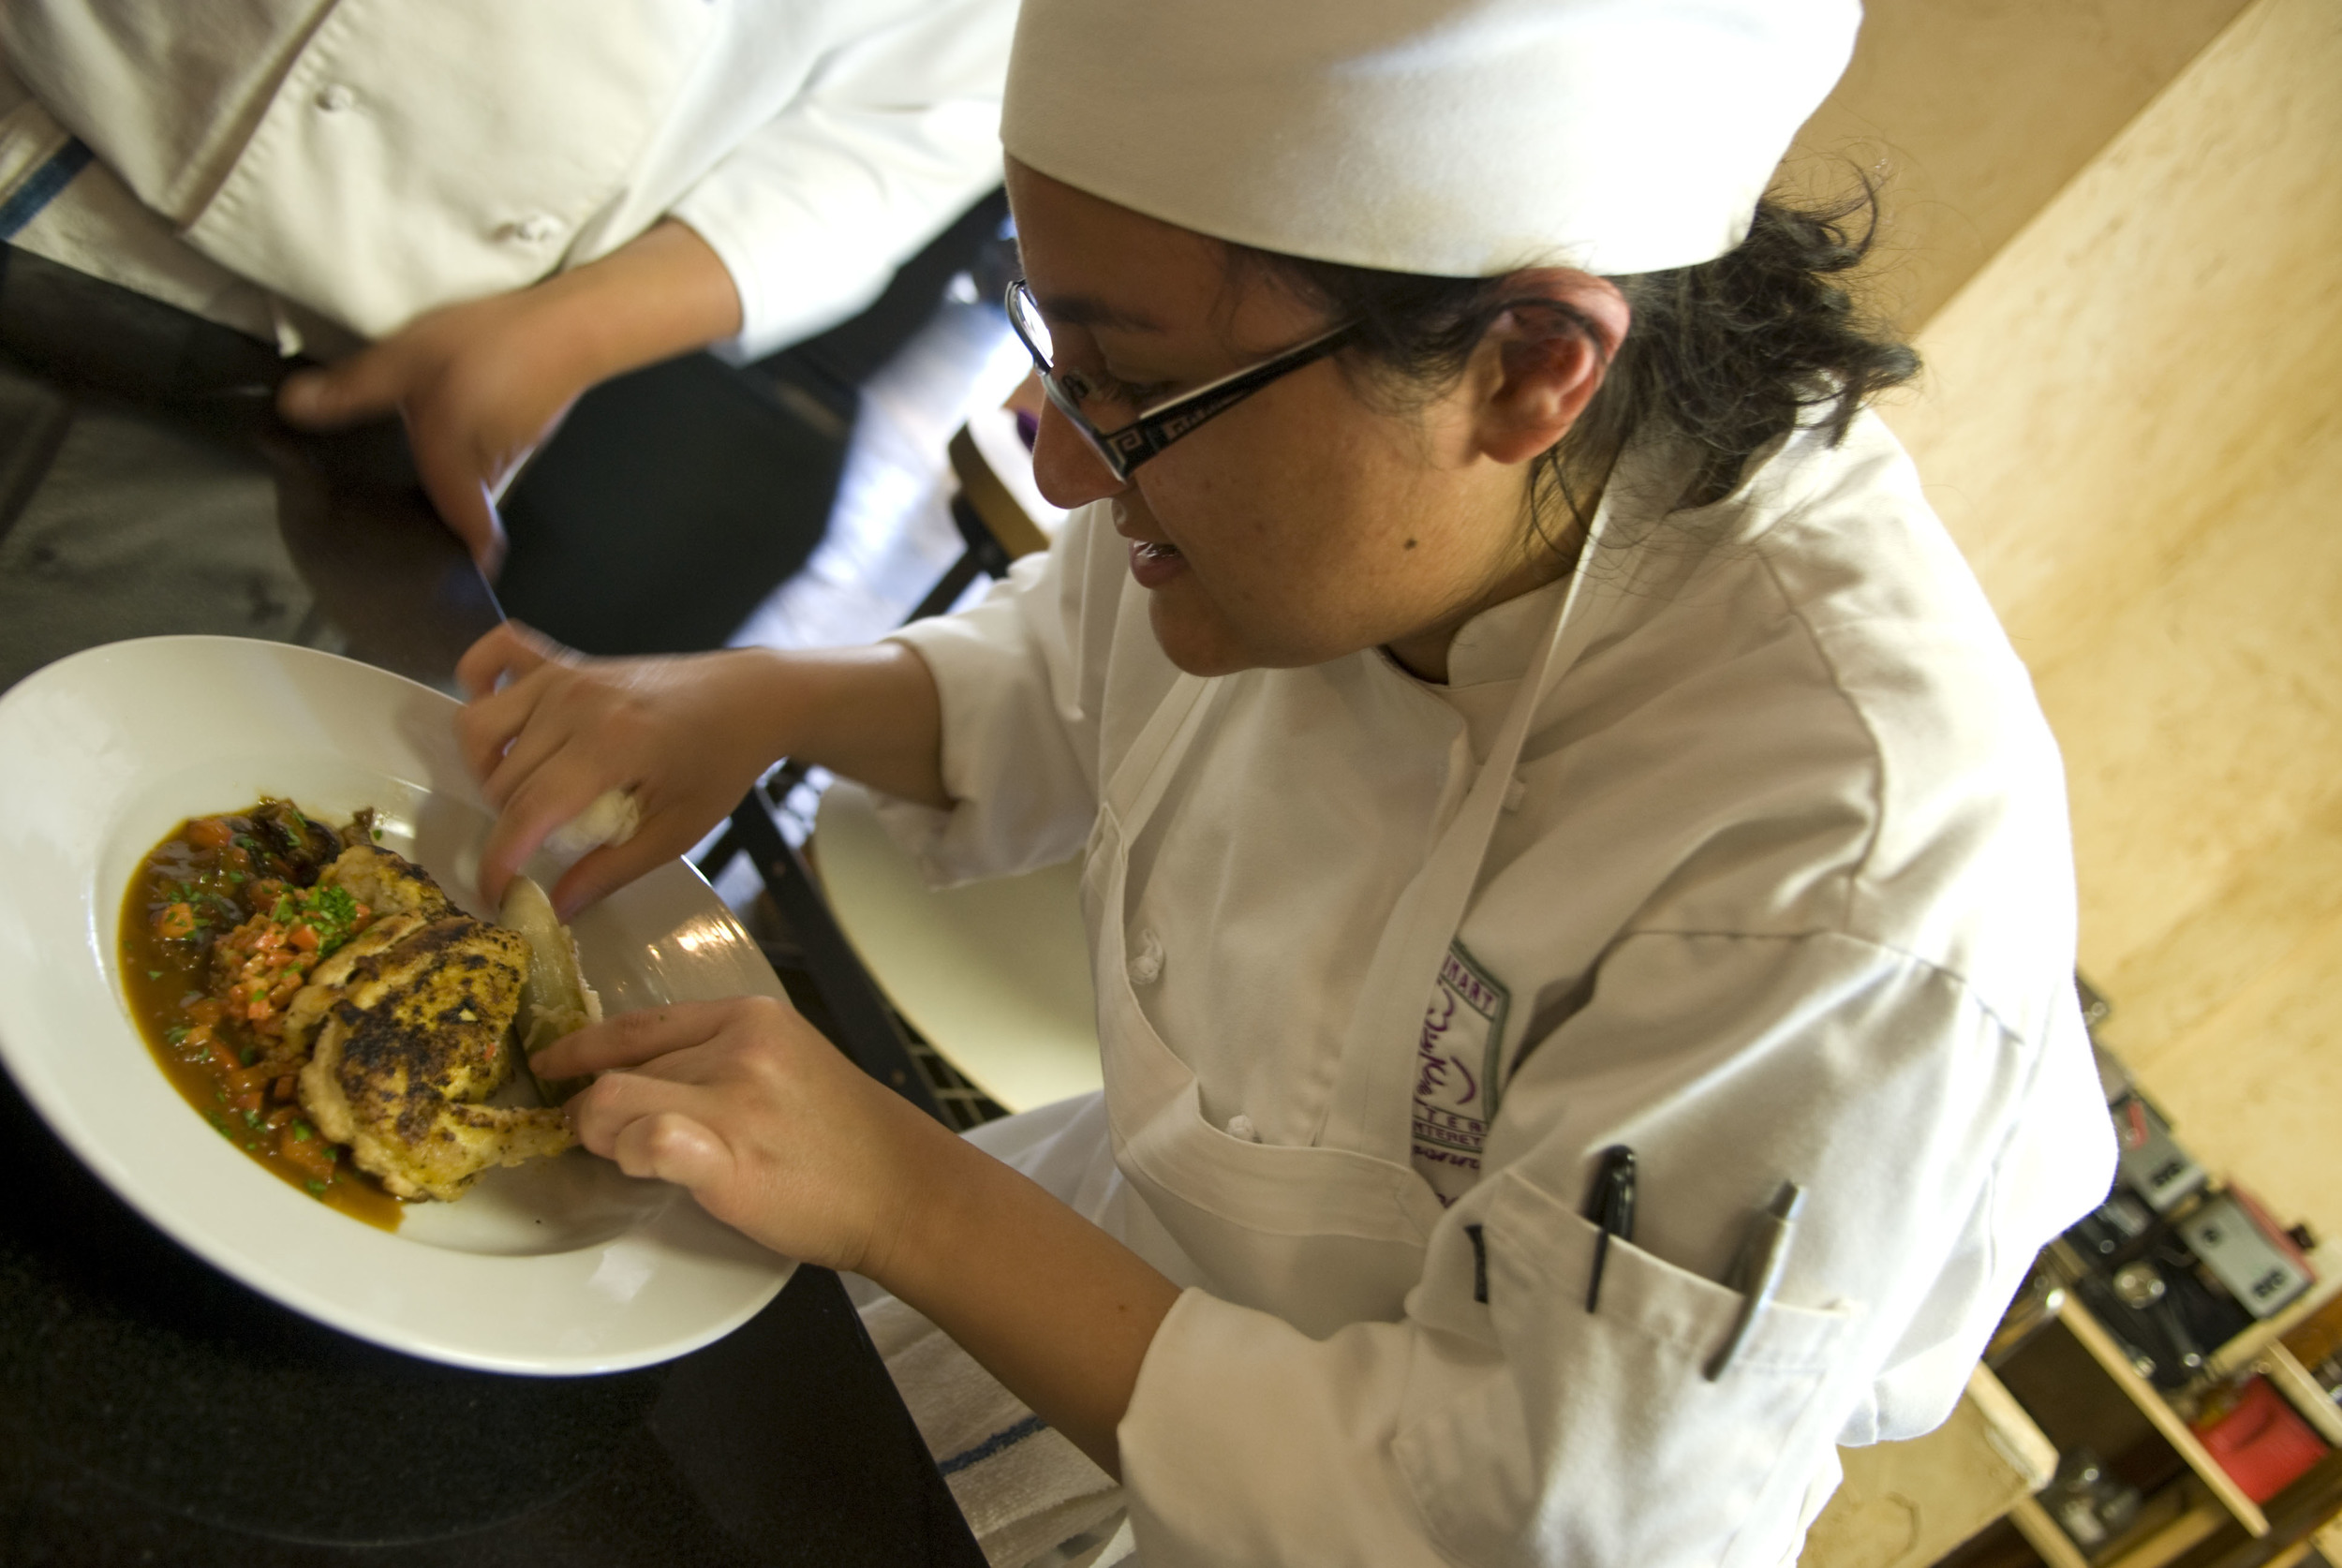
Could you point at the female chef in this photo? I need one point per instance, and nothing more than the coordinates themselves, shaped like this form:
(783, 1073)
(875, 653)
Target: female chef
(1529, 712)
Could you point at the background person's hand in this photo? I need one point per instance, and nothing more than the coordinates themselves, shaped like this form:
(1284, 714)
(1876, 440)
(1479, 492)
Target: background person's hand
(547, 731)
(482, 384)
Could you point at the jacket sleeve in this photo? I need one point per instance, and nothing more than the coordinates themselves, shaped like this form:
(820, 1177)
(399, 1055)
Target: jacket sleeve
(1021, 678)
(894, 134)
(1501, 1422)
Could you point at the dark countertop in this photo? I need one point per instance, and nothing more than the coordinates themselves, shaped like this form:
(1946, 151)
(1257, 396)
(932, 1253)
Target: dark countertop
(152, 1410)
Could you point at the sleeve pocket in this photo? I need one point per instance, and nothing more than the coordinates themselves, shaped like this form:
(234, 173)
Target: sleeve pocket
(1594, 1437)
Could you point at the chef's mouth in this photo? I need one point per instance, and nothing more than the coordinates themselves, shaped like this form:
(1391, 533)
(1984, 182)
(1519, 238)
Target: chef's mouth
(1153, 565)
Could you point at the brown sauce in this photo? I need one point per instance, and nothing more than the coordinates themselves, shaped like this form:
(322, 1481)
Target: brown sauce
(218, 928)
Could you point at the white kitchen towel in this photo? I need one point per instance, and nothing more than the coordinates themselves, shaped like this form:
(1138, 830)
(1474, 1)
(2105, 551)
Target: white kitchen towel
(1031, 1497)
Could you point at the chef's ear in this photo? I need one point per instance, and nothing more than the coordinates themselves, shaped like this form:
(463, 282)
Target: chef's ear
(1543, 360)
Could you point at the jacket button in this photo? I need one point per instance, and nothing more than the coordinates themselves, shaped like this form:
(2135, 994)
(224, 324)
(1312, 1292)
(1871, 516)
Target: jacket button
(534, 230)
(1145, 964)
(336, 98)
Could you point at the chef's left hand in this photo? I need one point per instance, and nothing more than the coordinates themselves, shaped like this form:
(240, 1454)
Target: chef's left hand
(780, 1136)
(768, 1125)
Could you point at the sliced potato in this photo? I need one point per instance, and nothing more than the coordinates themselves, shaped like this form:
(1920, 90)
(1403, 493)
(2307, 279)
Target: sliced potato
(555, 1000)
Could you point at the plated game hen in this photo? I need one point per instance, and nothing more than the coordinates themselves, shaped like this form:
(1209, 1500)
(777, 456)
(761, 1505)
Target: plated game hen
(407, 1028)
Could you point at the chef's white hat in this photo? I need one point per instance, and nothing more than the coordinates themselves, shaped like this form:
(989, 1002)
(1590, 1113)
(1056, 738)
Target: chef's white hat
(1462, 138)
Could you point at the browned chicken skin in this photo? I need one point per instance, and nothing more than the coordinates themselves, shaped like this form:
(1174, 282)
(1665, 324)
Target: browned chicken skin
(410, 1023)
(386, 882)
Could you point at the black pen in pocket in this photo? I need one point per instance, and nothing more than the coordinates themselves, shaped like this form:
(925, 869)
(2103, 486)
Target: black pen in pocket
(1611, 1207)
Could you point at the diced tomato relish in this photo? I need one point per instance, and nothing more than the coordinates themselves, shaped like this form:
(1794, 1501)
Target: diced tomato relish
(259, 966)
(220, 929)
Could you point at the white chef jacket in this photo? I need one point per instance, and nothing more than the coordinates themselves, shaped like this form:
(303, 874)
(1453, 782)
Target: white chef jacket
(1781, 890)
(371, 160)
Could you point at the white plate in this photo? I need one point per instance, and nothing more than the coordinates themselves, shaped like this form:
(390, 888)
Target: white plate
(563, 1266)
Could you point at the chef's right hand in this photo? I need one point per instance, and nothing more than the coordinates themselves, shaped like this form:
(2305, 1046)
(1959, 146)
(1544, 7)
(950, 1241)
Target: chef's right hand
(547, 731)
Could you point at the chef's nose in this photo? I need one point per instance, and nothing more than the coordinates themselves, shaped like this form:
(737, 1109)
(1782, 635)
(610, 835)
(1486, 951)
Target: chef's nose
(1066, 467)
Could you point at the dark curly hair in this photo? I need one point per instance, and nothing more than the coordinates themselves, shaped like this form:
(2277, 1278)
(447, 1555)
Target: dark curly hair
(1722, 356)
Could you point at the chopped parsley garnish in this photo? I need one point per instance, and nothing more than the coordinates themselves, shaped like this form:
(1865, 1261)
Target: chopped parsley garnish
(316, 1187)
(330, 911)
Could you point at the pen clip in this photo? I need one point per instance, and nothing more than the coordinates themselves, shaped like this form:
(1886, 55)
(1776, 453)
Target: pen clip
(1756, 1271)
(1611, 1201)
(1611, 1207)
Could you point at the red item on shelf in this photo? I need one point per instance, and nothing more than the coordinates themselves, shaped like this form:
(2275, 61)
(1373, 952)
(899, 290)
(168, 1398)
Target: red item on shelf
(2262, 1441)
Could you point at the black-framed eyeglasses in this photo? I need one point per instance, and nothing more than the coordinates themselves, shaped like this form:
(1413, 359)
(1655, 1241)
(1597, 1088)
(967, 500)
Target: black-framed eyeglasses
(1122, 451)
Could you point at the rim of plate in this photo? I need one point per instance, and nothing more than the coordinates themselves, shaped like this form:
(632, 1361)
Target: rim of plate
(113, 742)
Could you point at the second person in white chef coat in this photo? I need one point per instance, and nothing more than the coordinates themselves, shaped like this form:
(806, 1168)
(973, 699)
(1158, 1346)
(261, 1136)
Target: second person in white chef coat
(513, 202)
(1511, 703)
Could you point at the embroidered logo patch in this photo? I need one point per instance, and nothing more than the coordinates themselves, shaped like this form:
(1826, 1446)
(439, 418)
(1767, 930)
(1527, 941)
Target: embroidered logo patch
(1458, 1058)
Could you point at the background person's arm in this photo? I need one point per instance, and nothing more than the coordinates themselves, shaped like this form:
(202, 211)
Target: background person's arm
(817, 201)
(481, 384)
(796, 227)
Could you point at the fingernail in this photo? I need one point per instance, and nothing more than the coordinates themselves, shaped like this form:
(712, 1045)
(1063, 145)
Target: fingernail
(301, 397)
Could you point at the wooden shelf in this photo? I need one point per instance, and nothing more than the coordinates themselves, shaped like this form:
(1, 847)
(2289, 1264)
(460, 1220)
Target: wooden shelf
(2044, 1535)
(2149, 1398)
(2325, 1262)
(2193, 1523)
(2156, 1540)
(2303, 1391)
(2194, 1505)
